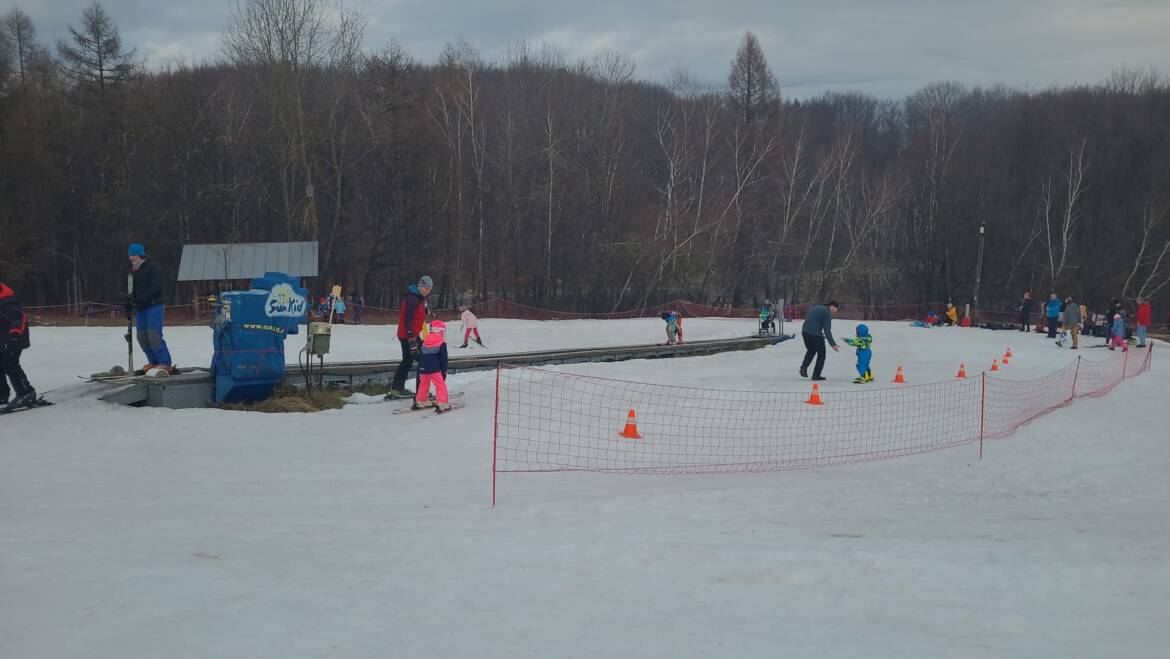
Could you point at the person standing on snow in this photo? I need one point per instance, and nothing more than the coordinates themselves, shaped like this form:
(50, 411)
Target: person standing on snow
(13, 341)
(1072, 319)
(817, 328)
(412, 314)
(432, 369)
(1142, 318)
(863, 342)
(1025, 310)
(1052, 314)
(147, 302)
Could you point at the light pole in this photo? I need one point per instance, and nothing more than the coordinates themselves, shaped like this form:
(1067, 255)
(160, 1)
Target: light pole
(978, 268)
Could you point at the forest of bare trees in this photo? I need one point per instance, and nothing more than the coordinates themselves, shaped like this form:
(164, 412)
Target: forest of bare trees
(568, 184)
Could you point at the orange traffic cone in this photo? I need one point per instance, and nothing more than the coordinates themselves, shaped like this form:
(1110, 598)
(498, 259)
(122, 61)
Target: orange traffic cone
(994, 365)
(898, 379)
(631, 429)
(1008, 354)
(815, 397)
(1005, 359)
(962, 371)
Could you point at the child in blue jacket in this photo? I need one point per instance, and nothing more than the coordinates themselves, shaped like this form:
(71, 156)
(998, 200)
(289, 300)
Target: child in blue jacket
(862, 342)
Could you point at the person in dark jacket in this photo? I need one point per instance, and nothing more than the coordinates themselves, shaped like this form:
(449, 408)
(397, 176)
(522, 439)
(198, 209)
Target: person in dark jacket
(1072, 319)
(1025, 310)
(818, 326)
(147, 302)
(412, 313)
(13, 341)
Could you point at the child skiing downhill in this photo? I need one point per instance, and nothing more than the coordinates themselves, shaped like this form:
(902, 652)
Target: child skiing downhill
(470, 325)
(671, 319)
(432, 369)
(862, 342)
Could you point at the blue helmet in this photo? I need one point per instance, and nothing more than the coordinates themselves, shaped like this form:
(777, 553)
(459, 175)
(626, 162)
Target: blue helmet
(862, 330)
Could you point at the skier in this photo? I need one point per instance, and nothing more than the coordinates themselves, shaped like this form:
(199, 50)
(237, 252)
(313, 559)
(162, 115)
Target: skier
(678, 315)
(818, 324)
(952, 315)
(1052, 314)
(862, 342)
(13, 341)
(767, 318)
(1118, 333)
(1025, 310)
(412, 313)
(432, 369)
(671, 319)
(470, 325)
(1143, 320)
(147, 301)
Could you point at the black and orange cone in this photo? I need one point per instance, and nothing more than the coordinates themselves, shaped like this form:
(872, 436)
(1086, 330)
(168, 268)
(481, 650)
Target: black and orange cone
(994, 365)
(962, 371)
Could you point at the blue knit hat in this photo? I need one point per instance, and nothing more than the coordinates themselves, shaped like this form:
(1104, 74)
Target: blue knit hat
(137, 250)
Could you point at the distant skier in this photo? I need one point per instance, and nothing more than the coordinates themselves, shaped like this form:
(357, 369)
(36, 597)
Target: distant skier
(13, 341)
(147, 301)
(1052, 314)
(1071, 317)
(932, 319)
(412, 314)
(432, 369)
(470, 326)
(678, 319)
(1142, 318)
(818, 325)
(863, 342)
(671, 320)
(1025, 311)
(767, 318)
(1118, 340)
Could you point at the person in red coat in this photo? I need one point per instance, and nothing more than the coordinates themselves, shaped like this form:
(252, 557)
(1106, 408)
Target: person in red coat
(412, 313)
(1143, 320)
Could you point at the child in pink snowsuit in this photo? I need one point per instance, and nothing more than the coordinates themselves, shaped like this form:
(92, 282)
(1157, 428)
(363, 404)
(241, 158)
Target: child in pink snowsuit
(432, 369)
(470, 324)
(1118, 333)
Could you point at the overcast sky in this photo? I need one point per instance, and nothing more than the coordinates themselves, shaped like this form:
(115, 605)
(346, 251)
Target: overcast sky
(888, 48)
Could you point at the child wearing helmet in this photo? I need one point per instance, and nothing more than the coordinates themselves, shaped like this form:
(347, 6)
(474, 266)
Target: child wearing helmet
(470, 325)
(1118, 333)
(862, 342)
(672, 333)
(432, 369)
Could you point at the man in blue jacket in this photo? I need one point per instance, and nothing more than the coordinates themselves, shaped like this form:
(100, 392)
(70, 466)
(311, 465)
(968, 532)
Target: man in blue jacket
(818, 326)
(1052, 314)
(147, 301)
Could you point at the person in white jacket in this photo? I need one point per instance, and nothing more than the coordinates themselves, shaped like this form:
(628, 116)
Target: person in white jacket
(470, 324)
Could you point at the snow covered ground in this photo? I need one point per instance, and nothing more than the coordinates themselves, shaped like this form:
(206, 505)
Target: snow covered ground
(357, 533)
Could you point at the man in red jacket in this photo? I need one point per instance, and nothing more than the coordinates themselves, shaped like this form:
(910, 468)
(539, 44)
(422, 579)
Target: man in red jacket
(412, 313)
(1143, 320)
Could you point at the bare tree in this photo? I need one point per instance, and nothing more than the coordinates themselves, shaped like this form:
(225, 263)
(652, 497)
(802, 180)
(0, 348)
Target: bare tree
(752, 87)
(1149, 256)
(1059, 231)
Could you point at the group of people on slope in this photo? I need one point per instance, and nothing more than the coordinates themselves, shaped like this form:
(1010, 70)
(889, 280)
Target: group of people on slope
(343, 308)
(818, 329)
(426, 343)
(1066, 320)
(949, 318)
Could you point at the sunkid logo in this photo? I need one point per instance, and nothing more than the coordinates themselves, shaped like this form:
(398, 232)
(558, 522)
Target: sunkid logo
(284, 301)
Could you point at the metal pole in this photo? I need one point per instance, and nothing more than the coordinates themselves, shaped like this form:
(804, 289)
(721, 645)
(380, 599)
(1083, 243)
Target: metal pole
(978, 270)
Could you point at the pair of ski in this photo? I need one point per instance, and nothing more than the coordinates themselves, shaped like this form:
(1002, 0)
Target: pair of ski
(431, 408)
(39, 402)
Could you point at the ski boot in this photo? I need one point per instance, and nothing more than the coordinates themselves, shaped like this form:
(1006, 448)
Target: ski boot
(423, 405)
(395, 394)
(442, 407)
(27, 400)
(463, 346)
(479, 341)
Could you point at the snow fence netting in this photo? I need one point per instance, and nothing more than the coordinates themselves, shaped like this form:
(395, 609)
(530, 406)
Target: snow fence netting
(549, 421)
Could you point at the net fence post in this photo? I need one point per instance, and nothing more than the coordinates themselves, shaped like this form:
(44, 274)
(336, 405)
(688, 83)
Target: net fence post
(495, 434)
(1124, 364)
(982, 410)
(1076, 372)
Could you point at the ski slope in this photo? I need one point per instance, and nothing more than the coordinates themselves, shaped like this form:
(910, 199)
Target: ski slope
(358, 533)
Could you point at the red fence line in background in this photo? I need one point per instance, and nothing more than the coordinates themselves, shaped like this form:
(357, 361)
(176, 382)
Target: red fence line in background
(549, 421)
